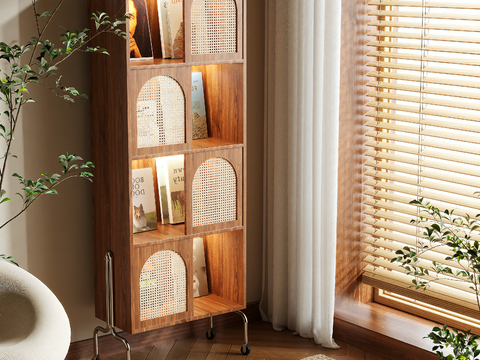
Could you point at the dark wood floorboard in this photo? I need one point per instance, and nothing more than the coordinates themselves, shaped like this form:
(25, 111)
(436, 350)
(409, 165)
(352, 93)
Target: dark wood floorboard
(266, 344)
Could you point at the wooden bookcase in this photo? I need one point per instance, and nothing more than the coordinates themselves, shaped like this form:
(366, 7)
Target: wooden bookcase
(115, 82)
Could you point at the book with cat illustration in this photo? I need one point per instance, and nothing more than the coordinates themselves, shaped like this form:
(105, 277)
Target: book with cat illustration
(199, 115)
(175, 18)
(200, 282)
(143, 199)
(172, 172)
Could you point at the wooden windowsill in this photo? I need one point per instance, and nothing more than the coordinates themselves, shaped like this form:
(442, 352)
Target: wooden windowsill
(385, 331)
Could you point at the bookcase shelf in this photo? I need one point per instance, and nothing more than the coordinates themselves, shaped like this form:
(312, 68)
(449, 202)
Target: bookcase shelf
(124, 100)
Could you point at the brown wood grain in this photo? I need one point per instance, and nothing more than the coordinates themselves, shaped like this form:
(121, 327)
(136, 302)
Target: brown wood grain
(215, 57)
(110, 154)
(115, 85)
(224, 100)
(161, 351)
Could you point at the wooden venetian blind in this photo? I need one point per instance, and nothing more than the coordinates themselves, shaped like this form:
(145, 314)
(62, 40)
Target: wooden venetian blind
(423, 137)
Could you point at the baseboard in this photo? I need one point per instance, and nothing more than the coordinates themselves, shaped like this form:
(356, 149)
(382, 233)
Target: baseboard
(83, 350)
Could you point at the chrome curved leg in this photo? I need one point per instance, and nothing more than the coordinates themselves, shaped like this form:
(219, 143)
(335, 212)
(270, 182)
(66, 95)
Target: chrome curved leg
(109, 310)
(245, 348)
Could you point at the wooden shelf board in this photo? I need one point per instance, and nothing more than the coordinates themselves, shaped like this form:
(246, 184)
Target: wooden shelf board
(164, 232)
(211, 142)
(172, 233)
(141, 64)
(212, 305)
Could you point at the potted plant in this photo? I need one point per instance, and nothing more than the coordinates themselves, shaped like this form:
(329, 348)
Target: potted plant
(446, 228)
(37, 63)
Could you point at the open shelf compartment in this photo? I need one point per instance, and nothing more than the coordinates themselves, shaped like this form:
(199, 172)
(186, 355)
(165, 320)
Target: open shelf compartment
(225, 258)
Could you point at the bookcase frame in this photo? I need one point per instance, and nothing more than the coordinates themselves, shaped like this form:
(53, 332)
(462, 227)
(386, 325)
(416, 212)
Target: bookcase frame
(115, 82)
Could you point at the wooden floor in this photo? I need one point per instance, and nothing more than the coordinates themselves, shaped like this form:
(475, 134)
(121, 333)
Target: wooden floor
(265, 343)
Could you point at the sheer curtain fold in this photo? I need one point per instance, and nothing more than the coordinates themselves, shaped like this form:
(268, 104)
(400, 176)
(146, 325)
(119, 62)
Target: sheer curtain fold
(301, 147)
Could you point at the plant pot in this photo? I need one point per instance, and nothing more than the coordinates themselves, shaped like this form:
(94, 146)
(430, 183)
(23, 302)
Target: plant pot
(33, 323)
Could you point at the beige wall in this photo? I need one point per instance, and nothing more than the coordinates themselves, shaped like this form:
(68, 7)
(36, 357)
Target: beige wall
(53, 240)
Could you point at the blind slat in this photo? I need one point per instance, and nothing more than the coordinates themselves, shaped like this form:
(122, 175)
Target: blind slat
(411, 46)
(425, 57)
(424, 119)
(434, 37)
(451, 177)
(469, 128)
(461, 148)
(430, 4)
(418, 14)
(432, 153)
(426, 193)
(383, 85)
(426, 101)
(428, 80)
(428, 132)
(439, 165)
(411, 25)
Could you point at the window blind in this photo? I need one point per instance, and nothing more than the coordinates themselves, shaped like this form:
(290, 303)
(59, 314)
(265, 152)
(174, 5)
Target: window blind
(423, 136)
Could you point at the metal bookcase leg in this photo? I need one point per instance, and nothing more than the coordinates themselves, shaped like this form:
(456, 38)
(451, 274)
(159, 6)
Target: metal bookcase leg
(210, 333)
(245, 349)
(109, 327)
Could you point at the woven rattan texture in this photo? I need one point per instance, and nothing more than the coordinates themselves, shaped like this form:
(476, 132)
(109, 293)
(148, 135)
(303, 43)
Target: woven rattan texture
(214, 194)
(163, 286)
(160, 113)
(214, 27)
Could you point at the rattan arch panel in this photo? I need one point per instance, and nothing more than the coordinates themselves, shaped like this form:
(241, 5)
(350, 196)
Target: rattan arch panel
(163, 285)
(160, 113)
(214, 193)
(213, 27)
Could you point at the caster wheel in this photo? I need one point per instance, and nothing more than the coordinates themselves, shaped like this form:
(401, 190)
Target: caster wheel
(210, 334)
(95, 357)
(245, 349)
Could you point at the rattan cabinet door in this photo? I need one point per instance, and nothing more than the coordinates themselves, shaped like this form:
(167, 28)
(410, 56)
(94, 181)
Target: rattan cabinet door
(215, 199)
(162, 284)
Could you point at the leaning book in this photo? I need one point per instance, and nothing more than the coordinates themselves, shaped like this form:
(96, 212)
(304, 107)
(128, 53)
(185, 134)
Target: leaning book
(173, 168)
(175, 17)
(200, 282)
(143, 199)
(164, 28)
(199, 115)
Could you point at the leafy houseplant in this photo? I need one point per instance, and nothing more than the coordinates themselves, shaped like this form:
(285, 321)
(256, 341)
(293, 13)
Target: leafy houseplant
(37, 63)
(460, 234)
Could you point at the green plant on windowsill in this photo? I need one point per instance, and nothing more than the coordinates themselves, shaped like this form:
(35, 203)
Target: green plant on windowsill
(37, 63)
(460, 234)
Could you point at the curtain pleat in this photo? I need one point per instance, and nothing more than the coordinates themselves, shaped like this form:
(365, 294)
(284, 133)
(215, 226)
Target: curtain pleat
(301, 147)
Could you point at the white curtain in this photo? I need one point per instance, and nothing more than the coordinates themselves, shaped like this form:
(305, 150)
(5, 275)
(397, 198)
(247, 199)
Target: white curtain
(302, 110)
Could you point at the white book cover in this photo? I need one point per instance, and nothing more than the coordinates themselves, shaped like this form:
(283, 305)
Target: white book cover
(175, 15)
(164, 29)
(143, 200)
(175, 187)
(200, 282)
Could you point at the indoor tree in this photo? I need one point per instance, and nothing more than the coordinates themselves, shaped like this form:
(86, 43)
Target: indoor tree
(38, 62)
(460, 233)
